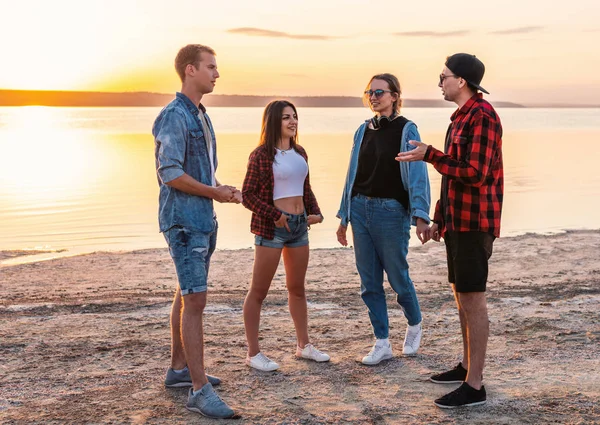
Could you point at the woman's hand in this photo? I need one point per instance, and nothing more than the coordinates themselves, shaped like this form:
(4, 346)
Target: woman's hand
(283, 222)
(314, 219)
(237, 197)
(435, 232)
(341, 235)
(423, 230)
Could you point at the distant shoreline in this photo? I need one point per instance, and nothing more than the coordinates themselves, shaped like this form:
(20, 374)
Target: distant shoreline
(138, 99)
(91, 99)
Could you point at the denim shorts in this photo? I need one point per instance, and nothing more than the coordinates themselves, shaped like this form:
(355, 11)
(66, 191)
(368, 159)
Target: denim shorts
(296, 237)
(191, 252)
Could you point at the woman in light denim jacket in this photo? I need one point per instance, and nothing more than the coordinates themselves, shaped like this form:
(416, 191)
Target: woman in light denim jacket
(382, 201)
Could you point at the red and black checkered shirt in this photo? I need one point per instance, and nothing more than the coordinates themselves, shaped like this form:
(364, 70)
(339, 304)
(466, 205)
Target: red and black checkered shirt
(472, 172)
(257, 192)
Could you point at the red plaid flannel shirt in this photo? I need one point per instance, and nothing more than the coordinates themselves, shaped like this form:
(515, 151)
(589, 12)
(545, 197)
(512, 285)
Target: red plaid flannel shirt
(257, 192)
(472, 172)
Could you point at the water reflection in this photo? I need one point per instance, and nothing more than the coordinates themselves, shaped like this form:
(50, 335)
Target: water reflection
(84, 179)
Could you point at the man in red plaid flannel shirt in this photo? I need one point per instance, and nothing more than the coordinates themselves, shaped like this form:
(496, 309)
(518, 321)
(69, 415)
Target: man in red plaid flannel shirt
(467, 215)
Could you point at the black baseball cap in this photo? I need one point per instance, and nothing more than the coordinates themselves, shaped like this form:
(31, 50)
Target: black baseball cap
(468, 67)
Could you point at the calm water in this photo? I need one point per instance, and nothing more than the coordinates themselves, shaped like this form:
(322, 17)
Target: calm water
(83, 179)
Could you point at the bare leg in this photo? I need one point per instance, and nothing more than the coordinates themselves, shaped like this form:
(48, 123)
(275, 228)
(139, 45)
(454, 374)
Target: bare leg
(478, 329)
(266, 261)
(193, 336)
(463, 329)
(177, 354)
(296, 263)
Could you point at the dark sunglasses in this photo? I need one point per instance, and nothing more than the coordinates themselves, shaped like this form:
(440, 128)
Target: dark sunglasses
(443, 77)
(378, 93)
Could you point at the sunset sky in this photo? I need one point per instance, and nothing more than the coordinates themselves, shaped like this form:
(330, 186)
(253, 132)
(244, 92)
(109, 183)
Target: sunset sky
(534, 52)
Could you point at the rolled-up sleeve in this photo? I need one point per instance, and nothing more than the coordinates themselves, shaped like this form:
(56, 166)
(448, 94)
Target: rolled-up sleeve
(171, 146)
(419, 188)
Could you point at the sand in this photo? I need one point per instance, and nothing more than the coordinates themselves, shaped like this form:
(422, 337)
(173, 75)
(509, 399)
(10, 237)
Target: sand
(85, 339)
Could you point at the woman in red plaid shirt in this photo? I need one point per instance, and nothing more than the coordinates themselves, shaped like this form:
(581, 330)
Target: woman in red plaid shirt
(277, 191)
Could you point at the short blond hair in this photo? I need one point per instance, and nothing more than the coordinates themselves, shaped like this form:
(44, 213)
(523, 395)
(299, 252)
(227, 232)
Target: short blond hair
(190, 54)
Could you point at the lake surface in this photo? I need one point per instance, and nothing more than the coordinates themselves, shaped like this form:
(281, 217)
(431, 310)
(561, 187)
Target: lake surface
(83, 179)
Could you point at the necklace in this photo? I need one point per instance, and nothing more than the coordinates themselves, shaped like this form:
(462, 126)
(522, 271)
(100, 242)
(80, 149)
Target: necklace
(281, 151)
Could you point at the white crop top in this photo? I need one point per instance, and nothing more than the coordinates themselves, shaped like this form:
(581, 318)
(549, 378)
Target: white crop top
(289, 172)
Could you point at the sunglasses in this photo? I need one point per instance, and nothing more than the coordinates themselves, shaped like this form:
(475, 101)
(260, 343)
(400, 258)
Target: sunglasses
(443, 77)
(378, 93)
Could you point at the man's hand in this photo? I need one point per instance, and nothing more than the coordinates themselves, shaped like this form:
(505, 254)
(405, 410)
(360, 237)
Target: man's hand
(314, 219)
(283, 222)
(423, 231)
(222, 193)
(435, 232)
(416, 154)
(341, 235)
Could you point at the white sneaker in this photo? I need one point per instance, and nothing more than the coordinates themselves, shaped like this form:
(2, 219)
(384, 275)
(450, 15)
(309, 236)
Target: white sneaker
(311, 353)
(262, 362)
(380, 351)
(412, 339)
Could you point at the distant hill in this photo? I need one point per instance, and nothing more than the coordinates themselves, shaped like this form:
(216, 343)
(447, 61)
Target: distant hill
(80, 98)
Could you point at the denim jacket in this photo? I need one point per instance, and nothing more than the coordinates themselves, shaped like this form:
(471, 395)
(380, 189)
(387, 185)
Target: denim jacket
(414, 176)
(180, 147)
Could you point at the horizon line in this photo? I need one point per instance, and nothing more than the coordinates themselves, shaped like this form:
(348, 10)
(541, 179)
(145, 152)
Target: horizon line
(31, 102)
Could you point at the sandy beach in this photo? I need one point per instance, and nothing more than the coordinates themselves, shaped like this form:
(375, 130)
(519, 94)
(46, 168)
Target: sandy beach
(86, 340)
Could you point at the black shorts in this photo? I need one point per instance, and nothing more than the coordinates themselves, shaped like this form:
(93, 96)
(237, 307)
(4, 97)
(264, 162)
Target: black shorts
(468, 254)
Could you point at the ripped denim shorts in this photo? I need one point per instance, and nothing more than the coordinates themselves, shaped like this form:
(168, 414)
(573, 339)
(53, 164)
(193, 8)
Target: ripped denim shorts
(191, 252)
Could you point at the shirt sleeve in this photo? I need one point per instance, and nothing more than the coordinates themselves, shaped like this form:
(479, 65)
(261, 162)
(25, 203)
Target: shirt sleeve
(437, 216)
(419, 188)
(480, 153)
(251, 188)
(171, 142)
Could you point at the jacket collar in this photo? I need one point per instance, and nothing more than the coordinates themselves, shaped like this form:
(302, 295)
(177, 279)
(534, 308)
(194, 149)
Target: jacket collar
(189, 104)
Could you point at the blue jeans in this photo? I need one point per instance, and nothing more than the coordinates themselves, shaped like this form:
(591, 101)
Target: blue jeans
(381, 230)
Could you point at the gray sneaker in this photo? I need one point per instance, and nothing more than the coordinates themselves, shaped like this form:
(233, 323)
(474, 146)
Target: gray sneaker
(208, 403)
(183, 379)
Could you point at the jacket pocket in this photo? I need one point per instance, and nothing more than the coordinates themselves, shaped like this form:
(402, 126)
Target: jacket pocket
(196, 142)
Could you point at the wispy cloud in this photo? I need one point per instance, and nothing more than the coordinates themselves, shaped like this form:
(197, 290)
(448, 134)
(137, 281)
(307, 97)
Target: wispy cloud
(431, 33)
(519, 30)
(259, 32)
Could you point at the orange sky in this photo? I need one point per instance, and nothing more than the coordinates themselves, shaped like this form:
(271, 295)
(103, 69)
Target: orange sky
(534, 53)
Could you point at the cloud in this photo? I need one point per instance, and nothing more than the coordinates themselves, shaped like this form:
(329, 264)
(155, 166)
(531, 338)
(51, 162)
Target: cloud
(519, 30)
(431, 33)
(259, 32)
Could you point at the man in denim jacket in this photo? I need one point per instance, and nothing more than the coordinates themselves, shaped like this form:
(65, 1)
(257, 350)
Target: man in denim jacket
(186, 161)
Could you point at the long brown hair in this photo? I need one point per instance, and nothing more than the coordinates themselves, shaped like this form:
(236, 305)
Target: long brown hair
(270, 132)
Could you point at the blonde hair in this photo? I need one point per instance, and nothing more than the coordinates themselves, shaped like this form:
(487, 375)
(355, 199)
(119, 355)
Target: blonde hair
(394, 86)
(190, 54)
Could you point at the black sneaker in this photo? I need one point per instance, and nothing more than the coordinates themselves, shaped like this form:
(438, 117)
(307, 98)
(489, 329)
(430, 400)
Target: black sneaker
(465, 395)
(454, 376)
